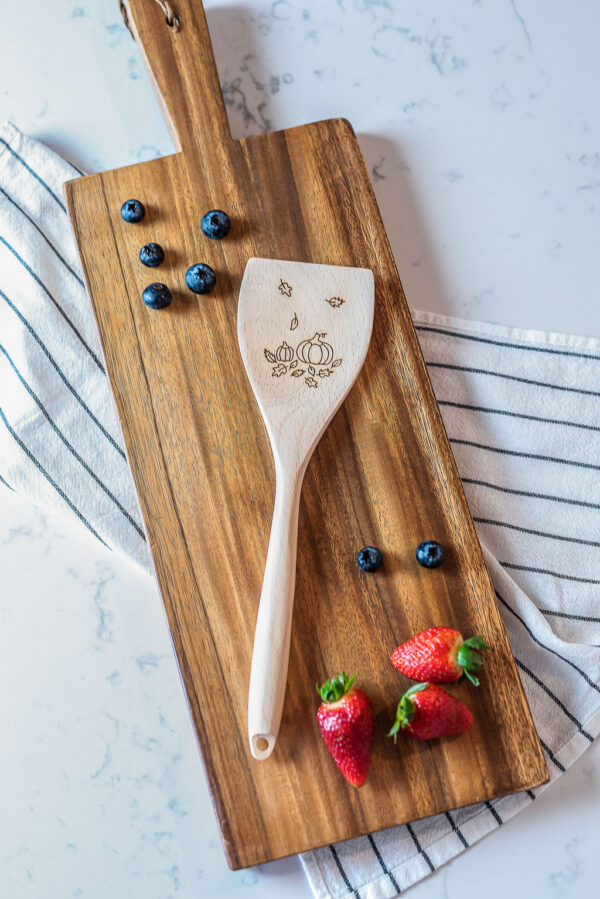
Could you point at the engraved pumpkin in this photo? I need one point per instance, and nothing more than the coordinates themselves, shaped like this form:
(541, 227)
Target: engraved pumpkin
(315, 351)
(284, 353)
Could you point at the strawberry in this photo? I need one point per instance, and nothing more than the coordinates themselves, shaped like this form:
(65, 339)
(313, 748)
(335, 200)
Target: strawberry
(346, 722)
(440, 655)
(427, 711)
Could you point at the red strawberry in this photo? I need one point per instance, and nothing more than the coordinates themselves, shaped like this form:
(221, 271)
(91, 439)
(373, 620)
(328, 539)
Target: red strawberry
(346, 722)
(440, 655)
(426, 711)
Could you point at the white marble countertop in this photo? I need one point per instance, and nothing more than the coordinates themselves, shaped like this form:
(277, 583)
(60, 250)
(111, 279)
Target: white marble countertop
(480, 125)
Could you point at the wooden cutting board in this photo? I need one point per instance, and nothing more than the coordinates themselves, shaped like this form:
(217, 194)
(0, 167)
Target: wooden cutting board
(383, 473)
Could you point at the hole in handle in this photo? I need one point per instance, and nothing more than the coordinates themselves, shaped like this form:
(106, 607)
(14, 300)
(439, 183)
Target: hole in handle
(262, 745)
(171, 18)
(174, 22)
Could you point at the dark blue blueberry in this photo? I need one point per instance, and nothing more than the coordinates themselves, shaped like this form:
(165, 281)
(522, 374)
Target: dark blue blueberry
(132, 211)
(152, 254)
(430, 554)
(215, 224)
(157, 296)
(370, 559)
(200, 278)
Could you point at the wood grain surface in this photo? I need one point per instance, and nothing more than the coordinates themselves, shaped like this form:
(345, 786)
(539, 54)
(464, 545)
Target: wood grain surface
(382, 474)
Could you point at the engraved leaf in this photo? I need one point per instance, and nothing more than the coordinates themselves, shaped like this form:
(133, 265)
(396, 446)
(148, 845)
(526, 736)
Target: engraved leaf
(325, 372)
(336, 363)
(294, 323)
(311, 382)
(279, 370)
(335, 302)
(298, 373)
(285, 288)
(269, 356)
(294, 363)
(311, 369)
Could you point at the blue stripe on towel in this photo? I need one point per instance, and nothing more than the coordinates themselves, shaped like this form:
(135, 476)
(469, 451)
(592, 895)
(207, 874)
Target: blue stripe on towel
(51, 480)
(46, 238)
(71, 448)
(61, 374)
(34, 173)
(58, 306)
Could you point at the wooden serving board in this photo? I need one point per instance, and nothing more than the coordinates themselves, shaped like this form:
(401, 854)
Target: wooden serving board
(382, 474)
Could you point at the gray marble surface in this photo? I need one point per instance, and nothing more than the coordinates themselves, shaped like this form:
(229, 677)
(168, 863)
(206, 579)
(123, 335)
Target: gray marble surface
(480, 126)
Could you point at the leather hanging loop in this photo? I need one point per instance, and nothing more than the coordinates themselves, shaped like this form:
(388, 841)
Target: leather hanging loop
(171, 17)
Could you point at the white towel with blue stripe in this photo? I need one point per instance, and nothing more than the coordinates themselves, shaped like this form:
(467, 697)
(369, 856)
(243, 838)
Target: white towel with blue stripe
(522, 411)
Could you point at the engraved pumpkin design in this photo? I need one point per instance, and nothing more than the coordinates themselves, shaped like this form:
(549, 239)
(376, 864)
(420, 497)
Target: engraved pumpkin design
(284, 353)
(315, 351)
(312, 358)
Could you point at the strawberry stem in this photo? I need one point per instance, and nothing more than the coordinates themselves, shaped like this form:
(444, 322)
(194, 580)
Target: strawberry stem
(333, 690)
(476, 643)
(406, 710)
(470, 659)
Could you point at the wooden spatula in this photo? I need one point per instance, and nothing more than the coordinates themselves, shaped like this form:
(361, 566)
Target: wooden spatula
(304, 331)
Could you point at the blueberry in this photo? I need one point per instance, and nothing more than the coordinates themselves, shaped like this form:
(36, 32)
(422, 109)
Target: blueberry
(370, 559)
(215, 224)
(430, 554)
(152, 254)
(132, 211)
(200, 278)
(157, 296)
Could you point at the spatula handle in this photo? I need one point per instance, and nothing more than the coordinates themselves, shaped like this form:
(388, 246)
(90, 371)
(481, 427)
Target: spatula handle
(270, 658)
(182, 69)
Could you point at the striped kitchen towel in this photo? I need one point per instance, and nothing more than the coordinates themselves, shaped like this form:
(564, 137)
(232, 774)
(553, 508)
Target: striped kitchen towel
(522, 411)
(60, 441)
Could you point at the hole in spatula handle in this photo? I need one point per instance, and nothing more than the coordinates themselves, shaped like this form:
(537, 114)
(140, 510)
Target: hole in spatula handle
(262, 745)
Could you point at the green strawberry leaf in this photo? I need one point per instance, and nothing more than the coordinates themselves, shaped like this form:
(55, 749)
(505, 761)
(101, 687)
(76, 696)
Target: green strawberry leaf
(416, 689)
(476, 643)
(333, 690)
(395, 729)
(469, 659)
(406, 710)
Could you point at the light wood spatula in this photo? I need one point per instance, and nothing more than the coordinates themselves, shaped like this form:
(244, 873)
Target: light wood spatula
(304, 331)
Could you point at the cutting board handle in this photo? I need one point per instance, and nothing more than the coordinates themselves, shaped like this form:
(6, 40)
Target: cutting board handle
(182, 69)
